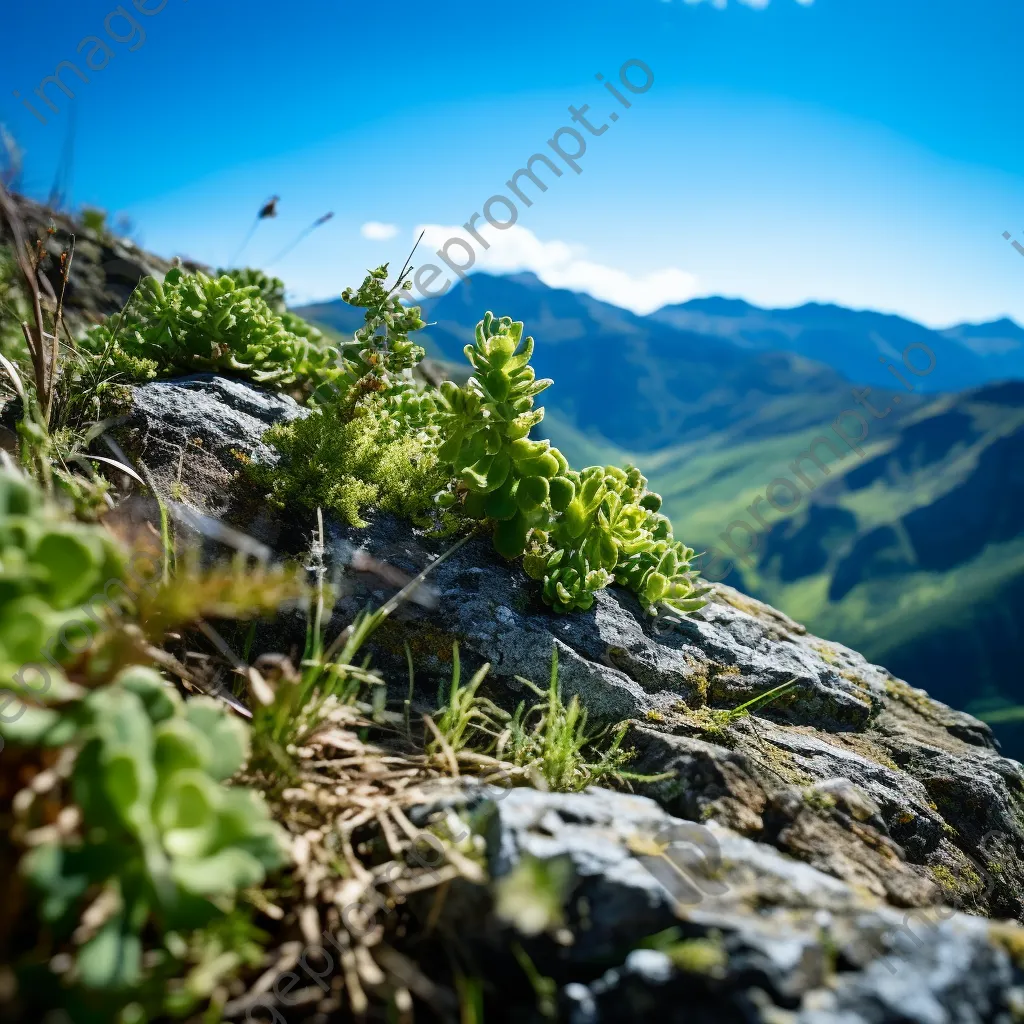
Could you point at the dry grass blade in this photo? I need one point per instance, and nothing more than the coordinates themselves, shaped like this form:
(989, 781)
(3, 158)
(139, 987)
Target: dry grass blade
(439, 999)
(446, 749)
(394, 602)
(15, 377)
(127, 470)
(258, 686)
(16, 231)
(207, 526)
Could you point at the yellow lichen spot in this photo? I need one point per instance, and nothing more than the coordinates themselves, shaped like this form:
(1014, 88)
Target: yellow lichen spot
(863, 746)
(646, 846)
(917, 700)
(828, 654)
(743, 604)
(817, 800)
(700, 688)
(699, 956)
(968, 882)
(1011, 937)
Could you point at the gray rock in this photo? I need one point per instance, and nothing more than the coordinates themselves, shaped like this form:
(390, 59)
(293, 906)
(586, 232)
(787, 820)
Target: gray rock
(195, 435)
(759, 936)
(220, 416)
(823, 841)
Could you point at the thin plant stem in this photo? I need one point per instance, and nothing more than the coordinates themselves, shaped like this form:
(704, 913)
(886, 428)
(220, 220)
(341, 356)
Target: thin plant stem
(55, 341)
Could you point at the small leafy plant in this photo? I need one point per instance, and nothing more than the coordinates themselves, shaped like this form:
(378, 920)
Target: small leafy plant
(53, 568)
(553, 738)
(372, 438)
(191, 322)
(462, 715)
(549, 740)
(729, 716)
(167, 845)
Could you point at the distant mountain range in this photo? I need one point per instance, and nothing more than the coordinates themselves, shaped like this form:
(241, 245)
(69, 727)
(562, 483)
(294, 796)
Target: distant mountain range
(862, 345)
(912, 552)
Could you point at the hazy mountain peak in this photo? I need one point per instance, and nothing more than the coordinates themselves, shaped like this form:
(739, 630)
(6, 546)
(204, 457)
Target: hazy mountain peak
(716, 305)
(865, 346)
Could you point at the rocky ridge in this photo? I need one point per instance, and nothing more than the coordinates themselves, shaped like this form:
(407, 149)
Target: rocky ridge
(832, 845)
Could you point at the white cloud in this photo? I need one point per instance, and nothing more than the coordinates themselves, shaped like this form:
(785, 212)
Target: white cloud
(377, 232)
(558, 264)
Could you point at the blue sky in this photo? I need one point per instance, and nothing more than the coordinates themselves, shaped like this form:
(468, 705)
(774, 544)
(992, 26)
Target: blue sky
(868, 152)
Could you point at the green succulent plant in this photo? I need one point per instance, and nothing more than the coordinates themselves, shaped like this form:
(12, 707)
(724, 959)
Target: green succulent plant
(516, 482)
(52, 570)
(271, 289)
(163, 845)
(166, 844)
(189, 323)
(579, 531)
(612, 531)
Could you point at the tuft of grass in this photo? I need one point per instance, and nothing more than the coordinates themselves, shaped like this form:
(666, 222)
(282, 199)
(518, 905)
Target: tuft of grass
(551, 740)
(544, 988)
(549, 743)
(470, 992)
(329, 674)
(466, 717)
